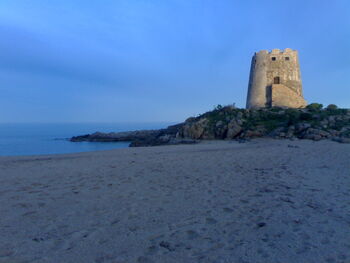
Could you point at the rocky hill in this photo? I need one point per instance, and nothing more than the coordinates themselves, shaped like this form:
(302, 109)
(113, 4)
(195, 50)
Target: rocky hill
(313, 122)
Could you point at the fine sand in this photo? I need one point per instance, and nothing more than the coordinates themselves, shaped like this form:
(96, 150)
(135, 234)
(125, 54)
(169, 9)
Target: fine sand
(265, 201)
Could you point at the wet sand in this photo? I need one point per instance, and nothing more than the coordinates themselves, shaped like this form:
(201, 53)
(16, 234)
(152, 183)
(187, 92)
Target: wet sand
(260, 201)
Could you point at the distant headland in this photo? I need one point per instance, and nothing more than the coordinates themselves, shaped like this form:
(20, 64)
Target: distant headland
(230, 123)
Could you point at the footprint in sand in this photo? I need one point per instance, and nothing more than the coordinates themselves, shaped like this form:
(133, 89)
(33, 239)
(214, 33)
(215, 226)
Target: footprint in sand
(29, 213)
(210, 221)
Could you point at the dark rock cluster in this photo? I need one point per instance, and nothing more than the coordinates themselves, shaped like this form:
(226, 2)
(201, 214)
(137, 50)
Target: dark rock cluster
(138, 138)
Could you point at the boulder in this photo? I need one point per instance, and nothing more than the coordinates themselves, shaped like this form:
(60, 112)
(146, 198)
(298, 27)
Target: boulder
(252, 133)
(233, 129)
(276, 132)
(220, 130)
(315, 134)
(302, 126)
(195, 130)
(290, 131)
(341, 139)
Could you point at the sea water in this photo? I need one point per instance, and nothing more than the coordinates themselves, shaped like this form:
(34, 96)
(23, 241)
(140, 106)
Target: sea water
(53, 138)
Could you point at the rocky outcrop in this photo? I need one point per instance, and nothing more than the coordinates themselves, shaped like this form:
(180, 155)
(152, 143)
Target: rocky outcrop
(138, 138)
(312, 122)
(117, 136)
(194, 128)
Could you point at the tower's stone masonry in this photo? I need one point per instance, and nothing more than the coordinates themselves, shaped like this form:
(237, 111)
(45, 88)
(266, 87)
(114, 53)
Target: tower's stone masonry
(275, 80)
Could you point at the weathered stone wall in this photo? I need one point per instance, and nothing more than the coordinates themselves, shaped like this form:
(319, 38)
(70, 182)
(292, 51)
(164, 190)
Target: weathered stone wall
(275, 67)
(286, 67)
(282, 96)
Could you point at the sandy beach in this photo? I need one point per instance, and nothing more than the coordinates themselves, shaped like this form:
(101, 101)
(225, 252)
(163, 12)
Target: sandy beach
(265, 201)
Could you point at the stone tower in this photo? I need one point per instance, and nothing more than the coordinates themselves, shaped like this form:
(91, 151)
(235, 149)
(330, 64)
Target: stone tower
(275, 80)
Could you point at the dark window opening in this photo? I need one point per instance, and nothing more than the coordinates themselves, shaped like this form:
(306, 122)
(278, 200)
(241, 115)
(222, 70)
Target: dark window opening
(276, 80)
(286, 58)
(273, 58)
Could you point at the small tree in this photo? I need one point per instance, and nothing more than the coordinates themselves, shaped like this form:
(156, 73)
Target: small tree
(314, 106)
(218, 107)
(332, 107)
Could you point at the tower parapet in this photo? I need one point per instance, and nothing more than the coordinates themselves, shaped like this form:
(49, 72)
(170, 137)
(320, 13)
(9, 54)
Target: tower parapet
(275, 80)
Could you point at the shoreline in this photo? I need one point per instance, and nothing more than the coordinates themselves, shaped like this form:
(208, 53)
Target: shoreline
(58, 154)
(198, 142)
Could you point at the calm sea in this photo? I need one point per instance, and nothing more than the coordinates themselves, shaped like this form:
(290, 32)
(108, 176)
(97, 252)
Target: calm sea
(34, 138)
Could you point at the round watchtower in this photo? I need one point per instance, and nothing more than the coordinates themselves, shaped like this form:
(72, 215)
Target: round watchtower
(275, 80)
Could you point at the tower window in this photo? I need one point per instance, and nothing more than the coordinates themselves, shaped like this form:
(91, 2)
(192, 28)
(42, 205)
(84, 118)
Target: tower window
(273, 58)
(276, 80)
(286, 58)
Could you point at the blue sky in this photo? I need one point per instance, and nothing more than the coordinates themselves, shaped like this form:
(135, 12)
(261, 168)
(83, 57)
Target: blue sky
(159, 60)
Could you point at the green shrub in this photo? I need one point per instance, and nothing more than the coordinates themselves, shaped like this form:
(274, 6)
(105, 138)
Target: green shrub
(275, 109)
(332, 107)
(191, 119)
(270, 125)
(306, 116)
(218, 107)
(293, 116)
(314, 106)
